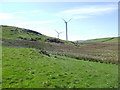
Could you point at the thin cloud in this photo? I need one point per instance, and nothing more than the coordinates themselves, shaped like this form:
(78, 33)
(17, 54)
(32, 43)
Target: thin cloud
(21, 12)
(6, 16)
(27, 12)
(91, 9)
(87, 11)
(29, 23)
(80, 17)
(38, 22)
(35, 11)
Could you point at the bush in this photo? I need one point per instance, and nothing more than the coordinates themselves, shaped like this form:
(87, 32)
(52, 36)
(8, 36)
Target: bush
(54, 40)
(44, 52)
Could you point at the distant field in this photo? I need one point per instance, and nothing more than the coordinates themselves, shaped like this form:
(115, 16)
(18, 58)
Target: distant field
(104, 40)
(26, 68)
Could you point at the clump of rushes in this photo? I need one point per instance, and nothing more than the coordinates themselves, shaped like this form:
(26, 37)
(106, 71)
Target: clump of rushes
(42, 51)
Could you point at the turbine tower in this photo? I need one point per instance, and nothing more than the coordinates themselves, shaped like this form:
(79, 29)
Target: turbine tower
(16, 28)
(58, 33)
(66, 28)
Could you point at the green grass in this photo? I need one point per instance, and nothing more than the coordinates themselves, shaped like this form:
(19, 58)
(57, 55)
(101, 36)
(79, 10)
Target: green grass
(104, 40)
(0, 59)
(26, 68)
(11, 32)
(31, 60)
(99, 52)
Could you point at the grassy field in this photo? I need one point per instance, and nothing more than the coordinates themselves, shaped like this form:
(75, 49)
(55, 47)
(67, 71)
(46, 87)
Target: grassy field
(33, 60)
(104, 40)
(98, 52)
(16, 33)
(26, 68)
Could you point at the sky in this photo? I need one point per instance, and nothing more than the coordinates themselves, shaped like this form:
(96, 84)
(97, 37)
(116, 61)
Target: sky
(90, 20)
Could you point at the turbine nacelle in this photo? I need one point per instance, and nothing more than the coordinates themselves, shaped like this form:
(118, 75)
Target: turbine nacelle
(66, 21)
(58, 33)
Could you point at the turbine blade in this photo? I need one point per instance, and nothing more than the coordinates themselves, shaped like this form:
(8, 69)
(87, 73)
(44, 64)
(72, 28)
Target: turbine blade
(63, 20)
(70, 20)
(56, 31)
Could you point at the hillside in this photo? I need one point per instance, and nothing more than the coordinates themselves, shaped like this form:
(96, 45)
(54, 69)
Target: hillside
(102, 40)
(11, 32)
(33, 60)
(99, 52)
(26, 68)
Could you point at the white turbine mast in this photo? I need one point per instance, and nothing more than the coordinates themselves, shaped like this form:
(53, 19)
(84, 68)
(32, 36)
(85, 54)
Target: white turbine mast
(66, 22)
(58, 33)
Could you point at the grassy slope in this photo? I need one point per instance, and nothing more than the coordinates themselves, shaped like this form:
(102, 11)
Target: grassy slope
(104, 40)
(99, 52)
(0, 66)
(26, 68)
(11, 32)
(102, 52)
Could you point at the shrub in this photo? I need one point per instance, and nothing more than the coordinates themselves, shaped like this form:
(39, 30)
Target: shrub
(54, 40)
(44, 52)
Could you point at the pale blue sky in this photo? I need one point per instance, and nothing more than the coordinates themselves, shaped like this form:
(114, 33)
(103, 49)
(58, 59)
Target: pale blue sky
(90, 19)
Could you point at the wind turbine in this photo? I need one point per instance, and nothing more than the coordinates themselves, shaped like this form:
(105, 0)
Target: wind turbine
(16, 28)
(58, 33)
(66, 28)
